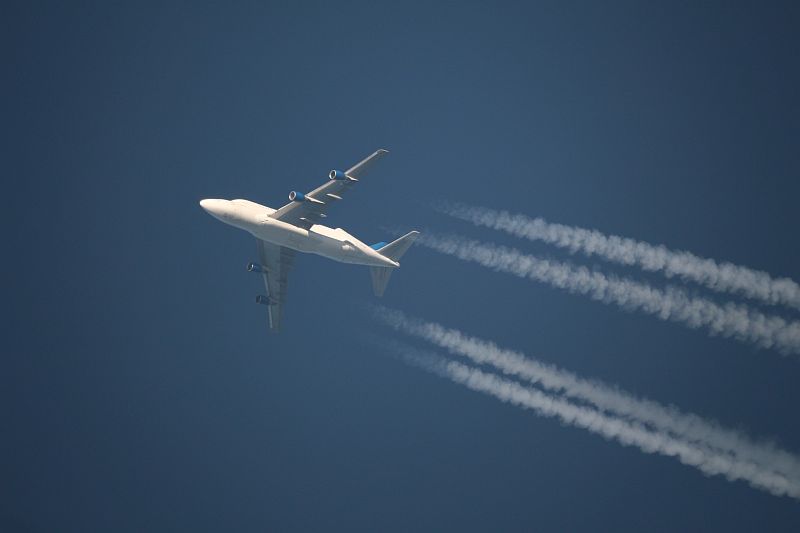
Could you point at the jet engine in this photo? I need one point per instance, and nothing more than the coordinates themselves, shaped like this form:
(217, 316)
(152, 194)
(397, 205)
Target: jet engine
(255, 267)
(263, 300)
(339, 175)
(295, 196)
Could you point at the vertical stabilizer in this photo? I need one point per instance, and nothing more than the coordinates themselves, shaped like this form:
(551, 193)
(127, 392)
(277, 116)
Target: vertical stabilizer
(394, 251)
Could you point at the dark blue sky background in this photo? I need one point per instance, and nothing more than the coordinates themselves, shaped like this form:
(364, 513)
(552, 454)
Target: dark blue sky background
(140, 388)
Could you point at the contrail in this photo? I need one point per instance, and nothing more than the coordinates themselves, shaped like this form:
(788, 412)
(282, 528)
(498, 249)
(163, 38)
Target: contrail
(729, 320)
(722, 277)
(688, 427)
(625, 432)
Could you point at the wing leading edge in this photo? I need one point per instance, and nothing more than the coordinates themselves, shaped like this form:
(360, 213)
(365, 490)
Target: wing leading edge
(277, 261)
(312, 209)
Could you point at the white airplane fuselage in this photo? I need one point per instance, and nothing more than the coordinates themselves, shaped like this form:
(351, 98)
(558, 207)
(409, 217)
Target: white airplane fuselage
(332, 243)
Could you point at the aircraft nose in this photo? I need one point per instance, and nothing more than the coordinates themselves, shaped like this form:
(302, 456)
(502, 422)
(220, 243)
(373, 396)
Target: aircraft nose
(213, 206)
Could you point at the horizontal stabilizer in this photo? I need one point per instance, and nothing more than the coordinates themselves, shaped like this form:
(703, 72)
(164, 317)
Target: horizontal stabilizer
(380, 278)
(394, 251)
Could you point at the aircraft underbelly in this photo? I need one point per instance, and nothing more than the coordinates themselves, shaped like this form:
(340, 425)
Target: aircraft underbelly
(305, 241)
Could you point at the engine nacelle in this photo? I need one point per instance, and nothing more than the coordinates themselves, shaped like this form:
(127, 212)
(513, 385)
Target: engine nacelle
(263, 300)
(339, 175)
(255, 267)
(295, 196)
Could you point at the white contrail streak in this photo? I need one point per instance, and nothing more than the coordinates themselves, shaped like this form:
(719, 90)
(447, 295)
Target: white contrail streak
(723, 277)
(730, 320)
(625, 432)
(688, 427)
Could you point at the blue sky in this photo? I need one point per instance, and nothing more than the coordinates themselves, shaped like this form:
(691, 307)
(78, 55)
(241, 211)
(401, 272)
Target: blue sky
(141, 390)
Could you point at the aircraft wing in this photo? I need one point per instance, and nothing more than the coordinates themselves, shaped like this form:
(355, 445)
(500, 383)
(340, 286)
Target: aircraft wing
(310, 208)
(276, 260)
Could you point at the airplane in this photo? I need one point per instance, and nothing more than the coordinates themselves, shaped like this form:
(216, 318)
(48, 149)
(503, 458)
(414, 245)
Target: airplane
(295, 228)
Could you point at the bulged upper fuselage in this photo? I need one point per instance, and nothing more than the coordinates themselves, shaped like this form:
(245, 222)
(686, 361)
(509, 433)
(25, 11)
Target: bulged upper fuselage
(332, 243)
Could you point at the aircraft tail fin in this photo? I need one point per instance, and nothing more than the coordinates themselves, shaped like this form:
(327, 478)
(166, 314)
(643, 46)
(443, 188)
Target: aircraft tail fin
(394, 251)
